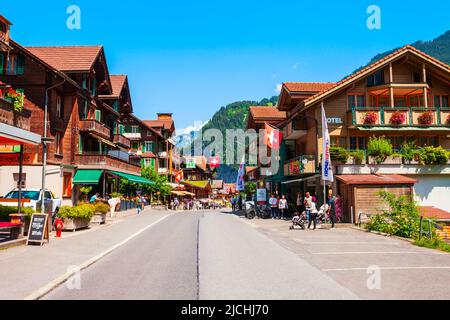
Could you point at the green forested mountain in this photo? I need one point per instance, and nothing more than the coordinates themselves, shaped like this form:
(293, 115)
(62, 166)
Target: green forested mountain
(233, 116)
(438, 48)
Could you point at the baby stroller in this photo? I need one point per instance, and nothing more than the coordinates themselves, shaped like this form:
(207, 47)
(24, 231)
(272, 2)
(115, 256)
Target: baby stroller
(322, 213)
(299, 221)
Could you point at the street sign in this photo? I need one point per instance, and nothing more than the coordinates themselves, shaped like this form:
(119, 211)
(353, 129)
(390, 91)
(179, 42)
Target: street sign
(261, 196)
(38, 230)
(190, 164)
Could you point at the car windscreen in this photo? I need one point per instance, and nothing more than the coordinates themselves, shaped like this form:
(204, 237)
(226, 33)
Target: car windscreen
(32, 195)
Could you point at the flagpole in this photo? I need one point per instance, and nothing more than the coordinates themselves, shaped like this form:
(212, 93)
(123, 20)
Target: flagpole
(323, 162)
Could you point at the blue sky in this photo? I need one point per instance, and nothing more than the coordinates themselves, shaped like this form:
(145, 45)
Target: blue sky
(192, 57)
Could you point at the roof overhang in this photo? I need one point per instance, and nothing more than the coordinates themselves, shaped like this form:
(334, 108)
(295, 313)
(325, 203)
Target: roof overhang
(10, 135)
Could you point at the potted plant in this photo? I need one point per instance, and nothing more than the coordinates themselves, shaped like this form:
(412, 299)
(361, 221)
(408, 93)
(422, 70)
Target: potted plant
(338, 154)
(397, 118)
(77, 217)
(370, 118)
(426, 118)
(16, 98)
(379, 149)
(358, 156)
(430, 155)
(100, 211)
(85, 190)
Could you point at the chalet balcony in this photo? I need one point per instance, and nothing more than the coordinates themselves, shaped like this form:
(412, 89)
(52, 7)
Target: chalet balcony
(94, 126)
(294, 130)
(111, 160)
(399, 117)
(16, 119)
(301, 165)
(122, 141)
(132, 136)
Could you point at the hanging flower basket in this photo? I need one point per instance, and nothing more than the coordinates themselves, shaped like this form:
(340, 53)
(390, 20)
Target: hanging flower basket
(16, 98)
(425, 118)
(370, 118)
(397, 118)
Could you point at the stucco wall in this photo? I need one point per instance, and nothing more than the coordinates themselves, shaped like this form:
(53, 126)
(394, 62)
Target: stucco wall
(433, 190)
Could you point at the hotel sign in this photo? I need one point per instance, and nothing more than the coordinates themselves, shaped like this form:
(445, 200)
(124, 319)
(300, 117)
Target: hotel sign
(334, 120)
(13, 158)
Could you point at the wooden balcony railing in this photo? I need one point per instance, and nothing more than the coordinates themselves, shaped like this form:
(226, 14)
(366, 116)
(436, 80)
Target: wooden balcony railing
(122, 140)
(13, 118)
(99, 160)
(410, 117)
(133, 136)
(301, 165)
(96, 127)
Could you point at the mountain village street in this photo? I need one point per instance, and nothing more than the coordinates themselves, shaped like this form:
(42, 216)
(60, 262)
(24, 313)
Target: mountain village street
(219, 255)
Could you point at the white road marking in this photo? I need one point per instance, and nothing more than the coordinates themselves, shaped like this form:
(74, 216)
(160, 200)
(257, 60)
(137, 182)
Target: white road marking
(376, 252)
(61, 279)
(388, 268)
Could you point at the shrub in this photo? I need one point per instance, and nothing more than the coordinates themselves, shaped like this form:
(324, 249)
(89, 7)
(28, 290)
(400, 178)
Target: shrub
(430, 155)
(338, 154)
(397, 118)
(370, 117)
(425, 118)
(5, 211)
(84, 211)
(101, 207)
(379, 148)
(433, 243)
(401, 219)
(358, 156)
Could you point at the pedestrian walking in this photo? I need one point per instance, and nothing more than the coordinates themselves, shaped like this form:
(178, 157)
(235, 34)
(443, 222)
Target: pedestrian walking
(332, 210)
(139, 203)
(273, 203)
(233, 203)
(308, 205)
(282, 206)
(313, 215)
(338, 207)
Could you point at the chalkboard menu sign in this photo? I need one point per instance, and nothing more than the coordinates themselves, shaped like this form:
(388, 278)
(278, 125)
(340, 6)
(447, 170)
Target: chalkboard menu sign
(38, 230)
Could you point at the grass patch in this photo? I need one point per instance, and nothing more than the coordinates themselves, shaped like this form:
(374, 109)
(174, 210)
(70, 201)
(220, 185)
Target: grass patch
(434, 243)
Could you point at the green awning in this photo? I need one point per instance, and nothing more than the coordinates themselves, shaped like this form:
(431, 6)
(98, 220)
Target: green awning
(133, 178)
(87, 176)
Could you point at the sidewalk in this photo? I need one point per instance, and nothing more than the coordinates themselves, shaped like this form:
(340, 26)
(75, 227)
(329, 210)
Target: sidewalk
(25, 269)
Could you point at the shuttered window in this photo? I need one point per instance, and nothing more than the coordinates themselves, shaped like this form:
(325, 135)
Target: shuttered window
(98, 115)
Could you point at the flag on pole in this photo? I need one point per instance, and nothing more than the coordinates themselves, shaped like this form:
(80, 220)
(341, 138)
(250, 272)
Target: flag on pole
(272, 137)
(240, 184)
(179, 176)
(327, 169)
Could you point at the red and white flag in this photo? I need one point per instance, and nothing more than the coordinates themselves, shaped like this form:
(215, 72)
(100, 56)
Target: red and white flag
(273, 137)
(214, 162)
(179, 176)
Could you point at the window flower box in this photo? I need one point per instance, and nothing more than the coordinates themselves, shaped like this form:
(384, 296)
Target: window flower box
(447, 122)
(16, 98)
(426, 118)
(370, 118)
(398, 118)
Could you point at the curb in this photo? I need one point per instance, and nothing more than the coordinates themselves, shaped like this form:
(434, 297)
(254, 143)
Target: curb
(383, 234)
(36, 295)
(13, 243)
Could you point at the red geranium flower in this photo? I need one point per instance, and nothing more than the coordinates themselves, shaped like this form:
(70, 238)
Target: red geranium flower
(398, 118)
(425, 118)
(370, 118)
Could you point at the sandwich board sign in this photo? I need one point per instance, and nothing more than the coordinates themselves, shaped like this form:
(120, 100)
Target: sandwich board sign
(38, 230)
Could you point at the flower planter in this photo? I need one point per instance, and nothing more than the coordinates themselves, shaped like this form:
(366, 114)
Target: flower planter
(75, 224)
(98, 218)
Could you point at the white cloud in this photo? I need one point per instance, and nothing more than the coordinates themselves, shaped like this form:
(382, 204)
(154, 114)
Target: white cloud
(278, 88)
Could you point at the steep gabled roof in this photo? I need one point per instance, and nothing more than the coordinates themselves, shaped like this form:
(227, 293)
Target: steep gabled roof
(266, 113)
(68, 58)
(373, 67)
(165, 124)
(117, 84)
(308, 86)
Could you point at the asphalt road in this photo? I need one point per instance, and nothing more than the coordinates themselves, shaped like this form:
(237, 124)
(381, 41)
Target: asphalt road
(207, 255)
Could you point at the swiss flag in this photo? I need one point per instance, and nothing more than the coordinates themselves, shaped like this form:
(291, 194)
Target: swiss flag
(179, 176)
(214, 162)
(273, 137)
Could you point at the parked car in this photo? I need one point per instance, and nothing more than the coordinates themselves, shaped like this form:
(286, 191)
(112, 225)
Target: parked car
(32, 199)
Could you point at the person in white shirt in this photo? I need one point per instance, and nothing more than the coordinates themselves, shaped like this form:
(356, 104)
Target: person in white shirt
(282, 205)
(313, 215)
(273, 203)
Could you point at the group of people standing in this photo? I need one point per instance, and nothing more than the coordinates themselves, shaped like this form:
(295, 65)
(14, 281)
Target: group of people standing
(332, 209)
(278, 206)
